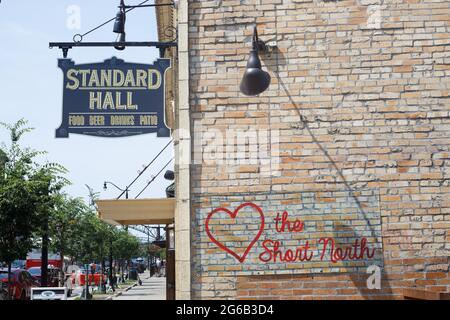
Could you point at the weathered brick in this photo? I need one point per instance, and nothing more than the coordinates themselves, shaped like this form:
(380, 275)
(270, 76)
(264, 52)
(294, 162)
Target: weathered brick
(359, 105)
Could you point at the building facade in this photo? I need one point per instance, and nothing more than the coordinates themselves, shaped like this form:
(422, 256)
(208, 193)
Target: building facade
(332, 183)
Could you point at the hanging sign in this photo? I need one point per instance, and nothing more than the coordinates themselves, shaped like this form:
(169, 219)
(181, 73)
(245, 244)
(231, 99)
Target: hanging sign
(113, 98)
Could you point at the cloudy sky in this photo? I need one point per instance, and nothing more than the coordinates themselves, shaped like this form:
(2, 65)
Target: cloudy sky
(31, 88)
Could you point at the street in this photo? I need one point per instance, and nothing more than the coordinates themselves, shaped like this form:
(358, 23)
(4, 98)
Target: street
(153, 288)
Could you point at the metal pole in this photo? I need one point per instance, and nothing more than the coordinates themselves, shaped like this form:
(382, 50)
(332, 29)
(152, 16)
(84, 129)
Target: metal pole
(65, 46)
(70, 45)
(86, 280)
(149, 5)
(148, 252)
(111, 266)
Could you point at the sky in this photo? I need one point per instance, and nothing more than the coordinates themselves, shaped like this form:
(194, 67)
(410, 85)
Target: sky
(31, 88)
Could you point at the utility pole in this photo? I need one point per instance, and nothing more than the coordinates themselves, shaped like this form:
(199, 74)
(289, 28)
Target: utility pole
(86, 282)
(111, 278)
(158, 233)
(44, 253)
(148, 252)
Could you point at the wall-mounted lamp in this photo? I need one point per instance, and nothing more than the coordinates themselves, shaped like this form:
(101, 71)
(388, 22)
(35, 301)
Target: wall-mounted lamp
(170, 190)
(119, 26)
(169, 175)
(255, 80)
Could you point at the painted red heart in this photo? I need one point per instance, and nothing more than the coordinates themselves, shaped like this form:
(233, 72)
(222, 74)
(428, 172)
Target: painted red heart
(233, 215)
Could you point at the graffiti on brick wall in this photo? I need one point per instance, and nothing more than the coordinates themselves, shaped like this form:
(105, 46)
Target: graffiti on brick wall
(240, 258)
(320, 232)
(273, 251)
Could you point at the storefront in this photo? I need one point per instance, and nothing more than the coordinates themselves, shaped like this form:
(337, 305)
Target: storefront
(331, 184)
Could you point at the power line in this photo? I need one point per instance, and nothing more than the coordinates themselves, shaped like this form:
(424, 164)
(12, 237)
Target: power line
(104, 23)
(146, 167)
(153, 179)
(81, 38)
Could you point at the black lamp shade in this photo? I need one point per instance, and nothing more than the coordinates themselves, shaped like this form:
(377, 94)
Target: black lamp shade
(255, 80)
(169, 175)
(120, 38)
(119, 23)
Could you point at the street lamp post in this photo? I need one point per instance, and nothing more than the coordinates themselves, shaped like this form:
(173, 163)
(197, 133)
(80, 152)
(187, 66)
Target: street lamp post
(111, 277)
(86, 283)
(148, 254)
(105, 187)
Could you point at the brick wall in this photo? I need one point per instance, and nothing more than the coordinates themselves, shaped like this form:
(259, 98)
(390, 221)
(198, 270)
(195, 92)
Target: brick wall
(359, 100)
(320, 216)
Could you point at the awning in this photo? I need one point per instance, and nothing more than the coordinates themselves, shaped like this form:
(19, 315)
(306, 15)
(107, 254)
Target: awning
(137, 211)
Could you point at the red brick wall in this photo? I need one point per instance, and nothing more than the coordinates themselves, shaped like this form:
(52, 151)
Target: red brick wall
(348, 286)
(371, 79)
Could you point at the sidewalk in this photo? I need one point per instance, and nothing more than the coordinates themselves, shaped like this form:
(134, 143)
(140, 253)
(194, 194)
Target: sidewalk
(153, 288)
(122, 287)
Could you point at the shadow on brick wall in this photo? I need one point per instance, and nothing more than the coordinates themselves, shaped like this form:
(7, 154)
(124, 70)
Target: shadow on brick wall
(360, 278)
(360, 275)
(273, 62)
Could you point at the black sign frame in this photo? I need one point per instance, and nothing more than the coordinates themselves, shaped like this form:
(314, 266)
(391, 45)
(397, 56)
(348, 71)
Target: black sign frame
(113, 110)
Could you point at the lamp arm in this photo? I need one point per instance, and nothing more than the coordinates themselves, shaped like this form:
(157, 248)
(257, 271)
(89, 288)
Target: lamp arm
(255, 38)
(258, 44)
(111, 183)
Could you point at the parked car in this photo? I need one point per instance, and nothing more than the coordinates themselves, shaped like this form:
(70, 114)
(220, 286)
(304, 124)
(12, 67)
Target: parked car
(54, 275)
(18, 264)
(21, 283)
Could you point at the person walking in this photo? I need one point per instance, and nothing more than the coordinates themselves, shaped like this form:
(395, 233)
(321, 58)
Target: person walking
(70, 283)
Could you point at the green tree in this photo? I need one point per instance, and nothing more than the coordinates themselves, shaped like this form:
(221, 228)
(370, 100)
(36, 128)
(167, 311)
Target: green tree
(48, 199)
(24, 189)
(93, 196)
(93, 240)
(88, 232)
(82, 245)
(126, 246)
(162, 253)
(64, 225)
(102, 239)
(3, 160)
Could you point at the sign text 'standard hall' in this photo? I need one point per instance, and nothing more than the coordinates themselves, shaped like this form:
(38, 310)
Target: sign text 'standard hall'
(113, 98)
(333, 182)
